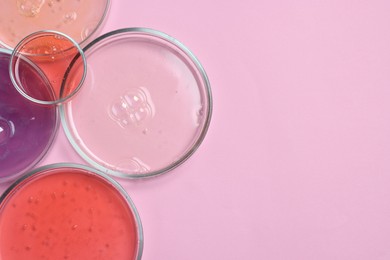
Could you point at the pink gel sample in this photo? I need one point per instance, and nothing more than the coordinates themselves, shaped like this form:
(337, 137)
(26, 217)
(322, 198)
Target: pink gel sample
(142, 106)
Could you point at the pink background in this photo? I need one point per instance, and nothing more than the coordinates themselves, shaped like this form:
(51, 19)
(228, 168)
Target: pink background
(296, 162)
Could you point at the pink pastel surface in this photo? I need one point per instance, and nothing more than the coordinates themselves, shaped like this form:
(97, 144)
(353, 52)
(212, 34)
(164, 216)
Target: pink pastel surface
(296, 163)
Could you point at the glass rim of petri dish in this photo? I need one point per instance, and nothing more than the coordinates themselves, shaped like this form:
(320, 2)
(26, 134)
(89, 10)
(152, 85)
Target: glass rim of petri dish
(33, 36)
(24, 179)
(53, 134)
(86, 39)
(196, 65)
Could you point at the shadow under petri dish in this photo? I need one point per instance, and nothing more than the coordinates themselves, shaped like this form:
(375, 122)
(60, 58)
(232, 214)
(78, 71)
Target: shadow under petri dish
(68, 212)
(27, 129)
(77, 18)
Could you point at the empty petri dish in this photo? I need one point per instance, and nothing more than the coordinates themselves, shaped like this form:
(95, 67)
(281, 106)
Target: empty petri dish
(145, 105)
(77, 18)
(68, 211)
(27, 129)
(53, 52)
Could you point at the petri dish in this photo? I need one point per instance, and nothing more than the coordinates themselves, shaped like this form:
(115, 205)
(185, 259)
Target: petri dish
(145, 105)
(68, 211)
(79, 19)
(53, 52)
(27, 129)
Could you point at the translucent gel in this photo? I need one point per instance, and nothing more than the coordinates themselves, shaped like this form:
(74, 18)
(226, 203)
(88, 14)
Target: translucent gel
(76, 18)
(26, 129)
(142, 106)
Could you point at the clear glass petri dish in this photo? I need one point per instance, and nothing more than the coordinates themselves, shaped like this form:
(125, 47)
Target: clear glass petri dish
(27, 129)
(68, 211)
(78, 19)
(53, 52)
(145, 105)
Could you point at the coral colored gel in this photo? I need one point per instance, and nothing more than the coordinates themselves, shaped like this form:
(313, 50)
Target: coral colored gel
(67, 213)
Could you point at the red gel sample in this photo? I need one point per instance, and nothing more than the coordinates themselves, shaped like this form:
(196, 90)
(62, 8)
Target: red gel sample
(67, 213)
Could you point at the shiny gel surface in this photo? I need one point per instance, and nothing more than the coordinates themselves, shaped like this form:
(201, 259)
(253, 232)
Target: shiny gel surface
(67, 213)
(26, 129)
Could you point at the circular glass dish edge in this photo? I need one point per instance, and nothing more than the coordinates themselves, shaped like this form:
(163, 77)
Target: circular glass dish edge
(202, 134)
(60, 99)
(86, 40)
(107, 178)
(49, 145)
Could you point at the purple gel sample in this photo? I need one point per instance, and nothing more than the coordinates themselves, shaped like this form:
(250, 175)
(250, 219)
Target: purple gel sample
(26, 129)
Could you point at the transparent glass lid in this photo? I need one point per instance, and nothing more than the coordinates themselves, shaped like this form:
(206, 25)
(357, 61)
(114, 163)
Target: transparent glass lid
(77, 18)
(27, 129)
(55, 54)
(144, 107)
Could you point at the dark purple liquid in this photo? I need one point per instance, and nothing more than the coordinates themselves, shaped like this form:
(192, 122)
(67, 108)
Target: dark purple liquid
(26, 128)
